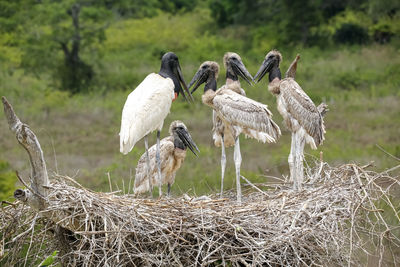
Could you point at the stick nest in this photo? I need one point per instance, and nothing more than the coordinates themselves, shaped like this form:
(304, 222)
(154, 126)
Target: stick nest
(342, 215)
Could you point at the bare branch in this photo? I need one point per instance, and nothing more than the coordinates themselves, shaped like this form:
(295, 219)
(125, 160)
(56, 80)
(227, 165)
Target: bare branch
(387, 153)
(29, 141)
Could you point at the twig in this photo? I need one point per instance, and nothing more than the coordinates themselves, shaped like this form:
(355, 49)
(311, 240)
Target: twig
(252, 185)
(27, 186)
(109, 181)
(387, 153)
(27, 231)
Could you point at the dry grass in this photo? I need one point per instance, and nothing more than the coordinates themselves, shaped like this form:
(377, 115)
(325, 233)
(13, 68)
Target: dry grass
(335, 220)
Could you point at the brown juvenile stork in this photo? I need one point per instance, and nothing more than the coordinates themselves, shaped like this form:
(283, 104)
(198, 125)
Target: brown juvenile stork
(300, 114)
(172, 154)
(235, 111)
(225, 134)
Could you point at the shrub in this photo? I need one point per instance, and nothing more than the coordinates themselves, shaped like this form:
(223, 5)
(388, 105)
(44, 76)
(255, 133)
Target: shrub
(350, 33)
(7, 181)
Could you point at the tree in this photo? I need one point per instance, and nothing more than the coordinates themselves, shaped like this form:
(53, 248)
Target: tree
(62, 38)
(290, 20)
(75, 74)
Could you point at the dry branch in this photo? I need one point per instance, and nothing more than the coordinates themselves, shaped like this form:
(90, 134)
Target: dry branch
(39, 178)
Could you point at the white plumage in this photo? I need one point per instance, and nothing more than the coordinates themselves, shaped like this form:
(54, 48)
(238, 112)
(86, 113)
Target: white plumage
(145, 110)
(147, 106)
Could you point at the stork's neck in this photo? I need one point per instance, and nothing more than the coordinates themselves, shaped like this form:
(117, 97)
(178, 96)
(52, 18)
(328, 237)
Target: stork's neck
(211, 84)
(275, 73)
(166, 72)
(230, 75)
(178, 143)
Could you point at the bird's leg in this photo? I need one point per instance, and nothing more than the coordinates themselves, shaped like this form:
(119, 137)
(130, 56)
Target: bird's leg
(158, 162)
(291, 158)
(223, 164)
(238, 160)
(295, 158)
(146, 144)
(169, 189)
(300, 159)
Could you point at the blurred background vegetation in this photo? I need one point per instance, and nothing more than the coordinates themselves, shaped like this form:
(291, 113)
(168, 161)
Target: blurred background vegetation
(68, 66)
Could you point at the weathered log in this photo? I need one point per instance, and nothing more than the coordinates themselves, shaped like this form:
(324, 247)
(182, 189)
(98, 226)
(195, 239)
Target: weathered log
(36, 194)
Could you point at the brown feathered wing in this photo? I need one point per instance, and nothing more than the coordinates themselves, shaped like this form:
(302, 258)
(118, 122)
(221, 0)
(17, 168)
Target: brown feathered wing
(301, 107)
(245, 112)
(141, 178)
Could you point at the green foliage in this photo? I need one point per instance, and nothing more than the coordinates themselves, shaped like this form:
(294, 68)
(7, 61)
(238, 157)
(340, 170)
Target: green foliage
(40, 36)
(75, 77)
(8, 180)
(307, 22)
(381, 8)
(134, 47)
(9, 53)
(176, 5)
(53, 41)
(351, 34)
(49, 260)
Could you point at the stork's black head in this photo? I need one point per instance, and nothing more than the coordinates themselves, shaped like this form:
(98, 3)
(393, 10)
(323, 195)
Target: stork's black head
(170, 68)
(207, 73)
(271, 65)
(235, 67)
(182, 138)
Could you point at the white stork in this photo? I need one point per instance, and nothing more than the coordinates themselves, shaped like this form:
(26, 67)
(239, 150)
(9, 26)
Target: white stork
(147, 106)
(235, 111)
(300, 114)
(172, 153)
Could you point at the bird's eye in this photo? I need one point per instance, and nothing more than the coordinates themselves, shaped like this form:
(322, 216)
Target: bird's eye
(204, 67)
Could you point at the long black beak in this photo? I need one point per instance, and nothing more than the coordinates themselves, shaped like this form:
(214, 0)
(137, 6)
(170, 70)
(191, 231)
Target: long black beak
(184, 135)
(199, 78)
(264, 68)
(239, 68)
(182, 81)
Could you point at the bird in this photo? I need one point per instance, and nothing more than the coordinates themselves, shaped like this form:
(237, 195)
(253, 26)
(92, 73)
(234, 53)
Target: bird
(299, 112)
(224, 134)
(172, 154)
(148, 104)
(236, 111)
